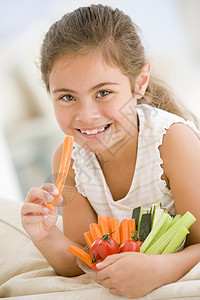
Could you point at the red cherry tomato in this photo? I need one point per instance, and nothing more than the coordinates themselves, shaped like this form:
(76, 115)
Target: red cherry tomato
(94, 251)
(94, 268)
(129, 245)
(139, 243)
(107, 246)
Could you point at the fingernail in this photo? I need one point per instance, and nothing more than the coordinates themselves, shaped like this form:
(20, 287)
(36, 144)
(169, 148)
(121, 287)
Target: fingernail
(99, 265)
(55, 191)
(50, 197)
(45, 217)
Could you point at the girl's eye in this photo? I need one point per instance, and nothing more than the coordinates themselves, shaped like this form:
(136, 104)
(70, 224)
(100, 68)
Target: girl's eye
(67, 98)
(102, 94)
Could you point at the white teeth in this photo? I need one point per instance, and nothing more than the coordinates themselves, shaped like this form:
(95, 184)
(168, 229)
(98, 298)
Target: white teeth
(94, 131)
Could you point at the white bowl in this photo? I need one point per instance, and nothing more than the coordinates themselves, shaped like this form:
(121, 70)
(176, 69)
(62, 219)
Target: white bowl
(83, 266)
(180, 248)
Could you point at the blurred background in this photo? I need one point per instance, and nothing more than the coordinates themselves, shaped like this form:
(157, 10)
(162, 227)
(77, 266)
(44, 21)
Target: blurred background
(28, 130)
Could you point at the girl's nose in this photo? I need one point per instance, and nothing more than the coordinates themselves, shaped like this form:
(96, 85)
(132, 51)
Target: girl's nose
(87, 112)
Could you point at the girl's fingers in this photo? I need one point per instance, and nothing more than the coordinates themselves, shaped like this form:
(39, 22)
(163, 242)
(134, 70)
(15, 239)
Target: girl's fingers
(39, 194)
(60, 200)
(106, 265)
(51, 188)
(32, 208)
(107, 283)
(109, 260)
(113, 291)
(35, 219)
(52, 218)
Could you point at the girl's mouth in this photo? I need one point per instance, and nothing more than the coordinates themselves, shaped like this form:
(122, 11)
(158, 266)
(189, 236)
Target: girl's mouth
(94, 132)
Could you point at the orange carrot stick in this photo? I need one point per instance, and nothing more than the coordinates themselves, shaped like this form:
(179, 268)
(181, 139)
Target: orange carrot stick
(88, 238)
(131, 225)
(95, 231)
(115, 230)
(63, 170)
(80, 254)
(109, 224)
(103, 224)
(124, 231)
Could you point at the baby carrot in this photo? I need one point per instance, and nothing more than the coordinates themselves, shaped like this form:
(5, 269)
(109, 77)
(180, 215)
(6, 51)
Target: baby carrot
(115, 230)
(124, 231)
(103, 224)
(80, 254)
(95, 231)
(88, 238)
(63, 170)
(109, 224)
(131, 225)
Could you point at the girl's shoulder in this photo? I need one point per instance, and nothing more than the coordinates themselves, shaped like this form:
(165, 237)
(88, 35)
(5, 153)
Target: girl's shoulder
(154, 120)
(153, 115)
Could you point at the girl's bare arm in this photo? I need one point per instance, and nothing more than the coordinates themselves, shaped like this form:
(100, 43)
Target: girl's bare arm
(181, 163)
(77, 215)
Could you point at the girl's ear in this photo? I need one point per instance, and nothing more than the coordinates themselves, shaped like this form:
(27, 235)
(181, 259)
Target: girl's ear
(142, 81)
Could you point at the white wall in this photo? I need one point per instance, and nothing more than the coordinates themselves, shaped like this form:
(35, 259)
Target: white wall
(9, 183)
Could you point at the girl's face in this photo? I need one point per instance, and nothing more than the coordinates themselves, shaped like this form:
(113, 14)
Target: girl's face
(93, 102)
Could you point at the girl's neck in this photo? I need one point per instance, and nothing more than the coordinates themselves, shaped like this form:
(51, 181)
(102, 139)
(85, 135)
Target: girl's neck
(125, 150)
(119, 168)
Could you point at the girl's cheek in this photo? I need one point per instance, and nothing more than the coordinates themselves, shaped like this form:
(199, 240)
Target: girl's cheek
(63, 121)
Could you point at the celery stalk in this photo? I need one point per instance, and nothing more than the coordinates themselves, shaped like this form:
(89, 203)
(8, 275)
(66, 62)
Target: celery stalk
(157, 248)
(162, 242)
(175, 219)
(186, 220)
(149, 239)
(177, 240)
(156, 214)
(163, 229)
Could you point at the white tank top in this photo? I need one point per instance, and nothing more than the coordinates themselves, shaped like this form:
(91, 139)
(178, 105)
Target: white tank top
(147, 186)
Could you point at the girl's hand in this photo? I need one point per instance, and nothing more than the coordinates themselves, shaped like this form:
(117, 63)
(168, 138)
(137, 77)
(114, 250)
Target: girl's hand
(131, 274)
(37, 219)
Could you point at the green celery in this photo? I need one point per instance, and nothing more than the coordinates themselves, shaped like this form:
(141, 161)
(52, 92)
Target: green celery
(148, 241)
(177, 240)
(156, 214)
(164, 228)
(157, 248)
(176, 217)
(186, 220)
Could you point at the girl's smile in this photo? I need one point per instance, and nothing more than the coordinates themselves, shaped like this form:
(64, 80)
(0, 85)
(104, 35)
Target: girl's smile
(94, 132)
(88, 96)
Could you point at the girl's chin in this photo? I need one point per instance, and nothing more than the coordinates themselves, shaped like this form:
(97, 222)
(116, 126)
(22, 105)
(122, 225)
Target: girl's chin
(93, 146)
(102, 148)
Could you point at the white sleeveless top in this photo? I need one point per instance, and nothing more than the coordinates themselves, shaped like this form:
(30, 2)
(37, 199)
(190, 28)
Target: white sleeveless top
(147, 186)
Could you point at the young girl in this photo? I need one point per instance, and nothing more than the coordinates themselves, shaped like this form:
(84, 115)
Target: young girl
(132, 148)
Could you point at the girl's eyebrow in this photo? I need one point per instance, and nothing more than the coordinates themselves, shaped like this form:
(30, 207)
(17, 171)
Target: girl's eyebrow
(93, 88)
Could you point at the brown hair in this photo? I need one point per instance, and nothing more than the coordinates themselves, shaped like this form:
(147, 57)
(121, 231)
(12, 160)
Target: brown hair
(99, 27)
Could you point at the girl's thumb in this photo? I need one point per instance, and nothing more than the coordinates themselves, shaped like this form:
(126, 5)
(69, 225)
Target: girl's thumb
(109, 260)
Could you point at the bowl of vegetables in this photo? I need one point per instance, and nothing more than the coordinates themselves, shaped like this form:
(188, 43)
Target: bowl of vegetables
(150, 232)
(92, 271)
